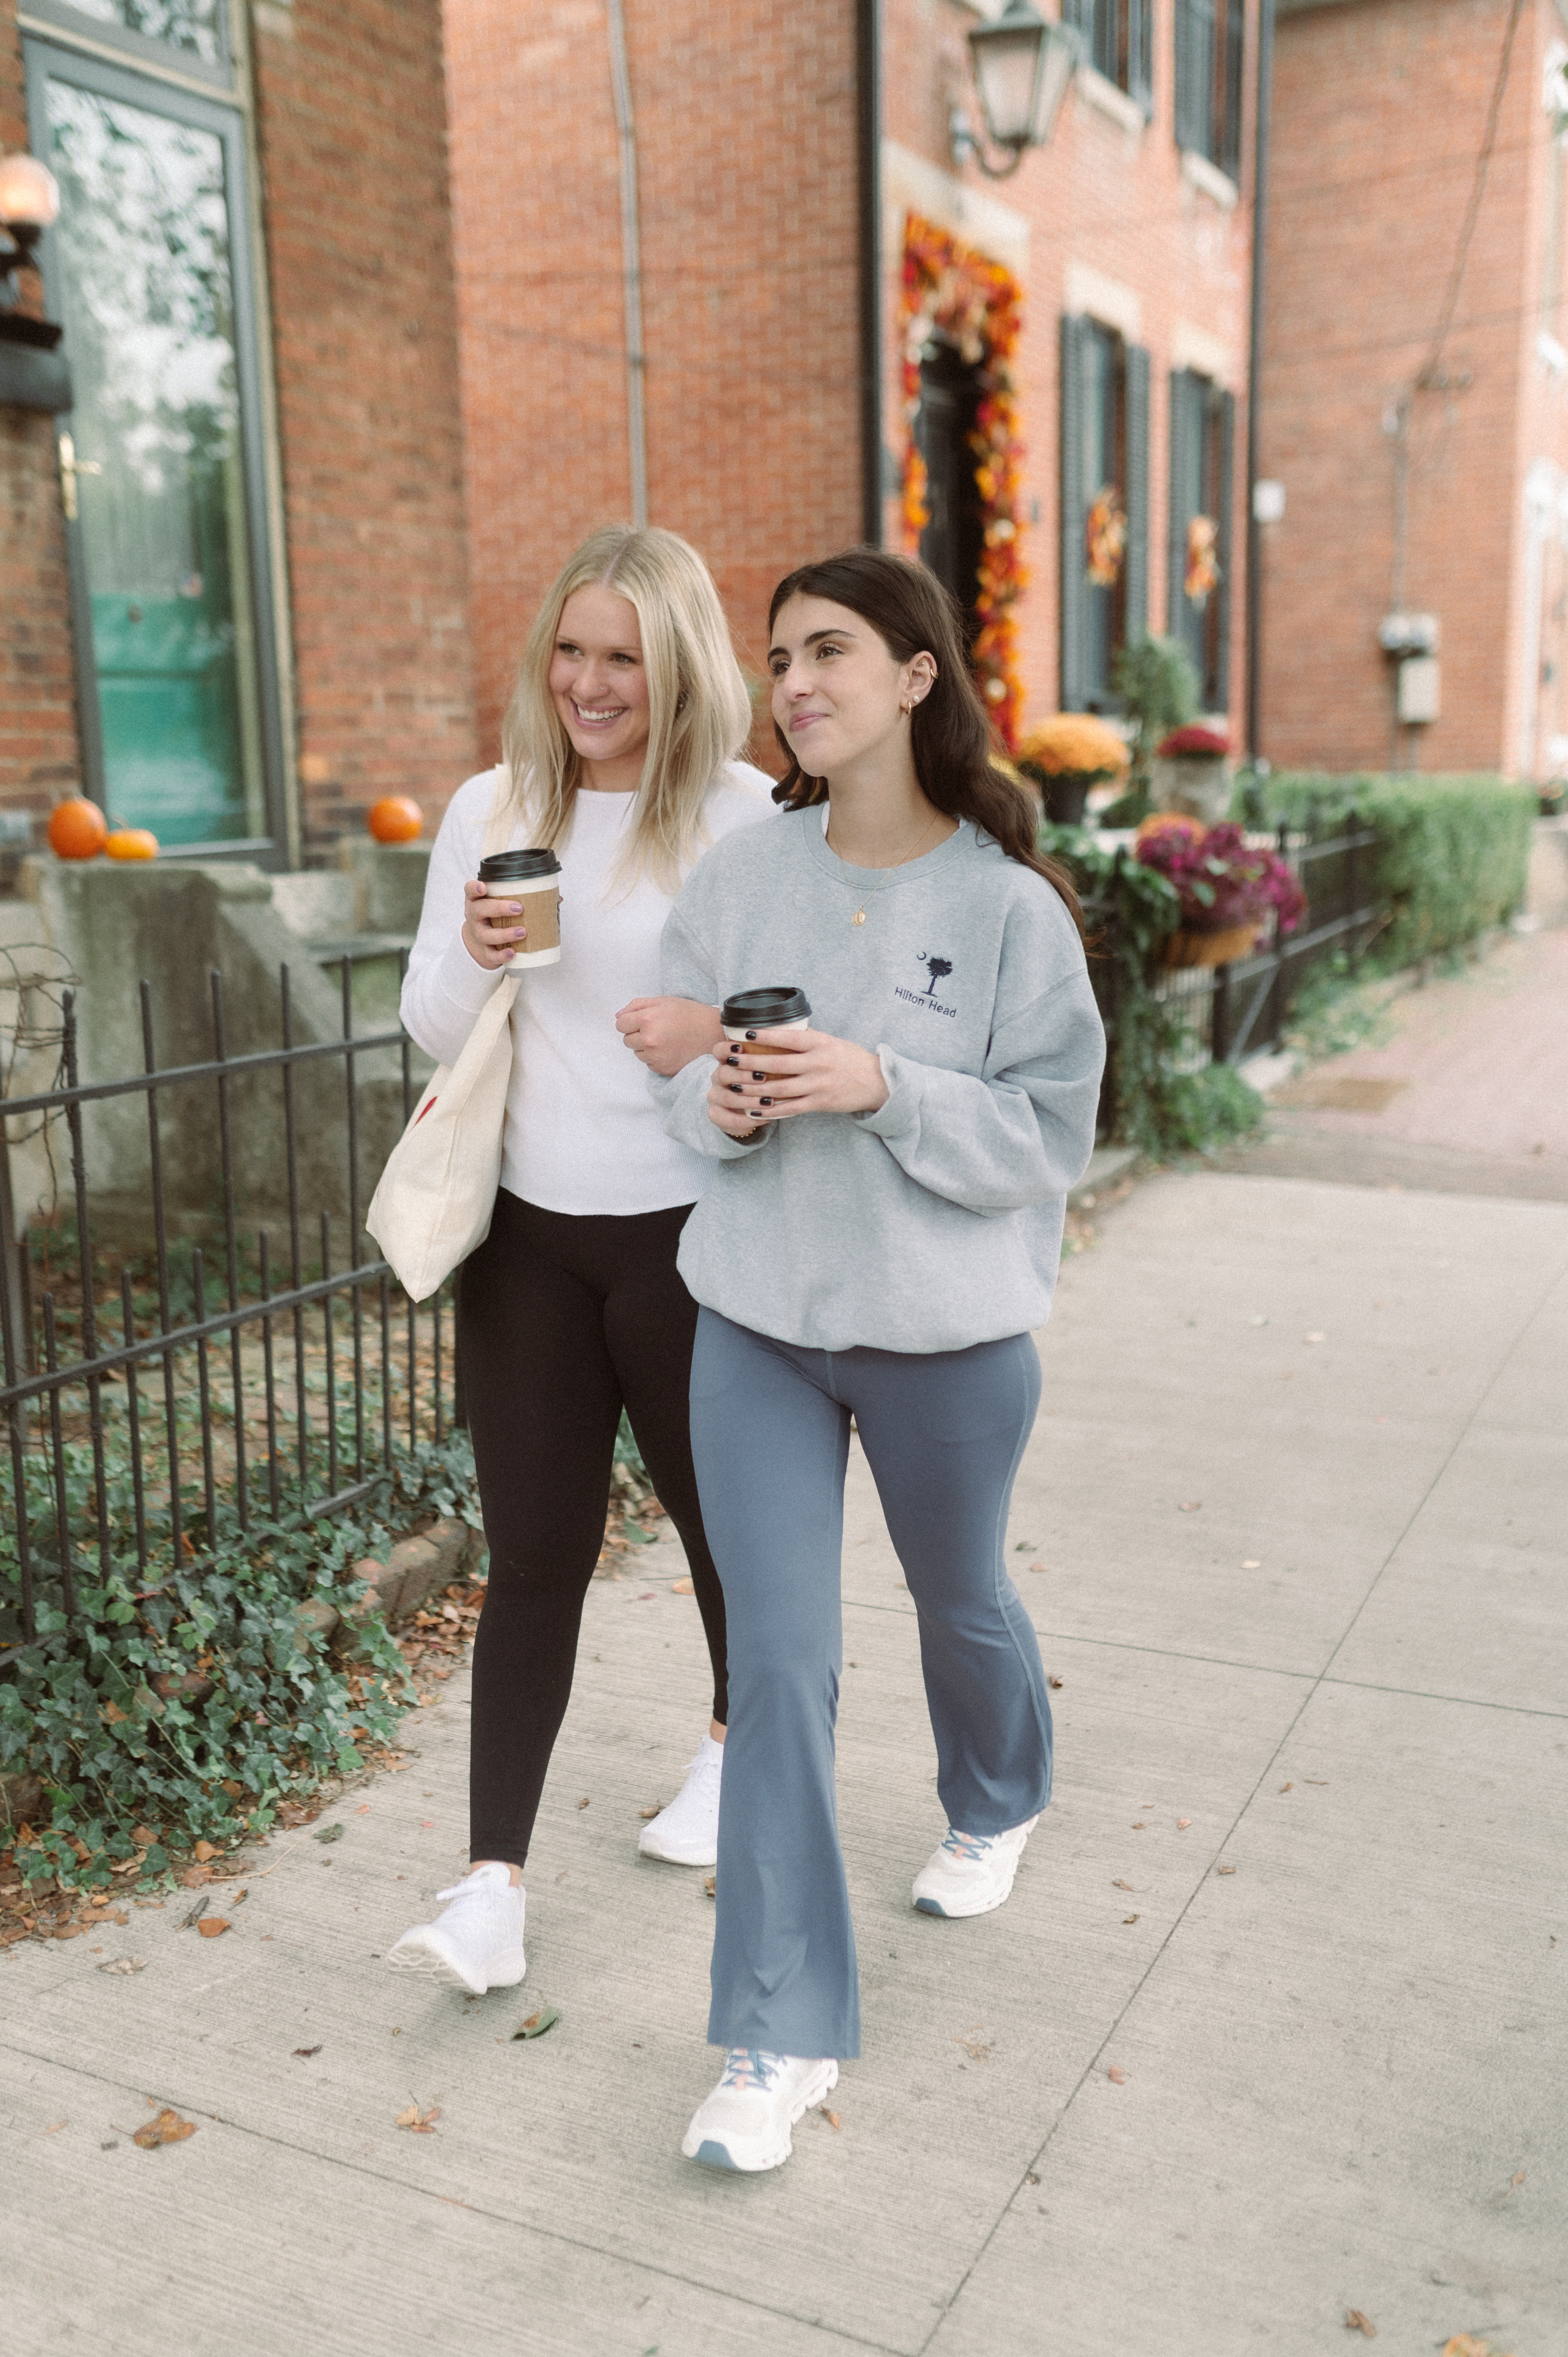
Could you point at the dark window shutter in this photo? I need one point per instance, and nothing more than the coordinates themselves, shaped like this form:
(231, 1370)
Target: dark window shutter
(1136, 609)
(1074, 506)
(1190, 53)
(1140, 53)
(1229, 143)
(1227, 423)
(1186, 493)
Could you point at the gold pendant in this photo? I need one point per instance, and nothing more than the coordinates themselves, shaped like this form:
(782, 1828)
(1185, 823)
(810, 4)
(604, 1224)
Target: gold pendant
(858, 918)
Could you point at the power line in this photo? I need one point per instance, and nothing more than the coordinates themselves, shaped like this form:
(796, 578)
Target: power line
(1427, 373)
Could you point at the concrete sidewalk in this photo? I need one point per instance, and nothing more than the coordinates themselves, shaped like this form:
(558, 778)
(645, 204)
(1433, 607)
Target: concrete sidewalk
(1297, 1501)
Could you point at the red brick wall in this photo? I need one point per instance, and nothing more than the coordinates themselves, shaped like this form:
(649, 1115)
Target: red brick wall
(351, 122)
(1116, 203)
(745, 130)
(38, 756)
(1380, 112)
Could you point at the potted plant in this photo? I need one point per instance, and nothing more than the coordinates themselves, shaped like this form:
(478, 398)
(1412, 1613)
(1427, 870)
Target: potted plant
(1227, 888)
(1156, 686)
(1065, 756)
(1192, 773)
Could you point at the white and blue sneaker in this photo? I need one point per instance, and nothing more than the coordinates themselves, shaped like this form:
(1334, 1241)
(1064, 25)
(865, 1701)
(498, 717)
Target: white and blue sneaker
(746, 2122)
(687, 1832)
(968, 1874)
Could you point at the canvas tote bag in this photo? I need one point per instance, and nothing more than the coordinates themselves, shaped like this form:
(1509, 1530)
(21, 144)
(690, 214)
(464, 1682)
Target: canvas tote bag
(438, 1193)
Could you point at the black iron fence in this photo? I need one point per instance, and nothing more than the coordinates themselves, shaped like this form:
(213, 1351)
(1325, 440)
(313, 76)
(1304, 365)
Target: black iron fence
(208, 1362)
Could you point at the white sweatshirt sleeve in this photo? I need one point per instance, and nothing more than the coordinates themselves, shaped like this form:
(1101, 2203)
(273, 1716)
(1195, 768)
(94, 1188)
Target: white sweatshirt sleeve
(445, 990)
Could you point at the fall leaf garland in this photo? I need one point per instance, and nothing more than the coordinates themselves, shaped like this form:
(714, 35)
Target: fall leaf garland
(978, 304)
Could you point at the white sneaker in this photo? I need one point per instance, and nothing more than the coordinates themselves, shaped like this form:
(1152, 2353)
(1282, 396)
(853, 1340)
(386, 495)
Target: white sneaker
(746, 2120)
(475, 1942)
(687, 1832)
(968, 1874)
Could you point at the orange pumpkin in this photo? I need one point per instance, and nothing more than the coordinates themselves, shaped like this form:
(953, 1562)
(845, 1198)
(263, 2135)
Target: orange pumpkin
(77, 829)
(396, 818)
(132, 843)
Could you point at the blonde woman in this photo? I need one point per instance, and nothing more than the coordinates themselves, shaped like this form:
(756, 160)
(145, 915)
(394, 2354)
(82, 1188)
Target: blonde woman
(622, 748)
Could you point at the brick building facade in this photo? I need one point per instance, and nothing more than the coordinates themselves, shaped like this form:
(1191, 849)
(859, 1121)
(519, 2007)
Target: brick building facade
(257, 620)
(1424, 471)
(750, 141)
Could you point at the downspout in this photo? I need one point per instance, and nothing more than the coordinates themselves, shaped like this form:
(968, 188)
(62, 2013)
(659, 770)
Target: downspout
(868, 128)
(631, 265)
(1255, 364)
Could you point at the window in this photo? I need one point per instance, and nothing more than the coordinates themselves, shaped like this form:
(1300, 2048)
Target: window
(1118, 42)
(1208, 59)
(954, 538)
(1203, 441)
(1104, 509)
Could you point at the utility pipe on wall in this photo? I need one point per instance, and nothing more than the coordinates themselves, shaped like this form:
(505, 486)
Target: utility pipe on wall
(1255, 367)
(868, 129)
(631, 265)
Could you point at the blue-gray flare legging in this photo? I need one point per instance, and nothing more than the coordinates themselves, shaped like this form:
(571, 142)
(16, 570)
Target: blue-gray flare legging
(943, 1433)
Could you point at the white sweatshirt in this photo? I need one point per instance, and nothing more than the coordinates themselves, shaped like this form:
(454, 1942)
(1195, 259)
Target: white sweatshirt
(581, 1132)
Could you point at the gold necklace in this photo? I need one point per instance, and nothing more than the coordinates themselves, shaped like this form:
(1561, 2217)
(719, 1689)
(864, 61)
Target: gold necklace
(859, 916)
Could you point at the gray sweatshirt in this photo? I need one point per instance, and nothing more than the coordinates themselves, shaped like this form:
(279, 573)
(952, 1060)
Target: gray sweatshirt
(935, 1223)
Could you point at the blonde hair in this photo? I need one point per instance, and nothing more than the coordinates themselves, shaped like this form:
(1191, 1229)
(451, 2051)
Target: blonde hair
(699, 711)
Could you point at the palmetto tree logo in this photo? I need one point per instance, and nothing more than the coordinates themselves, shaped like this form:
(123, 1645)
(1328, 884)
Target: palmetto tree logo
(936, 967)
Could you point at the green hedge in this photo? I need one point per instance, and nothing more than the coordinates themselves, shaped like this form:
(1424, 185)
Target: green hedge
(1452, 851)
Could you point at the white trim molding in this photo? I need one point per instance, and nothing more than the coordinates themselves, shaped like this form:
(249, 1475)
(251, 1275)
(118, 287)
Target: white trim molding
(1087, 290)
(1205, 355)
(1102, 95)
(910, 184)
(1199, 173)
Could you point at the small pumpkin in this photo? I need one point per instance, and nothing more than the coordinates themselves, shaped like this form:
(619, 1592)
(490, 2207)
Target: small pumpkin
(396, 818)
(132, 843)
(77, 829)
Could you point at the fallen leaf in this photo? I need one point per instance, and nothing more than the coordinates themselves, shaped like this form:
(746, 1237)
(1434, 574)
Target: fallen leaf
(1190, 1505)
(682, 1587)
(55, 2127)
(977, 2048)
(124, 1964)
(1117, 2076)
(1290, 1787)
(710, 1884)
(1037, 1566)
(166, 2129)
(1469, 2344)
(582, 1803)
(1224, 1869)
(419, 2123)
(654, 1812)
(70, 1931)
(1119, 1885)
(1517, 2178)
(212, 1927)
(1129, 1919)
(1315, 1779)
(143, 1836)
(1054, 1685)
(1182, 1823)
(305, 2052)
(538, 2023)
(832, 2117)
(330, 1834)
(1354, 2320)
(1031, 2176)
(203, 1851)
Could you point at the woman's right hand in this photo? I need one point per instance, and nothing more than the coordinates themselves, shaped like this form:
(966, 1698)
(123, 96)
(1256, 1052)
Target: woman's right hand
(487, 944)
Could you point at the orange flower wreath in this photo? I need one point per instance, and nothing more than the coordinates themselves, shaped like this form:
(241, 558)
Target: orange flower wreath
(978, 305)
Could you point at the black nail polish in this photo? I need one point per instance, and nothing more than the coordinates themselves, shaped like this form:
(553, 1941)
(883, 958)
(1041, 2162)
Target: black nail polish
(759, 1076)
(751, 1034)
(736, 1088)
(767, 1101)
(734, 1063)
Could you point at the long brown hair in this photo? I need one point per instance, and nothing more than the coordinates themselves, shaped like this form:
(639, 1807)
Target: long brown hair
(951, 739)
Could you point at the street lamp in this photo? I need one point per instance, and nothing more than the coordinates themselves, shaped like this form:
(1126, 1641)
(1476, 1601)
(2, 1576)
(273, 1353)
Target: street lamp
(1022, 64)
(29, 201)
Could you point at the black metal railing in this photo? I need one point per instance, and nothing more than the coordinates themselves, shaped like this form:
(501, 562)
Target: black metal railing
(155, 1381)
(1228, 1012)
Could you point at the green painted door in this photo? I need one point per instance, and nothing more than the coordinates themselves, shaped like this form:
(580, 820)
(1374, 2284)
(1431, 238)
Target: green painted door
(145, 258)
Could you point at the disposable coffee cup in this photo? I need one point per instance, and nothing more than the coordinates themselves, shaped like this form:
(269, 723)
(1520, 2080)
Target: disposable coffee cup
(533, 877)
(780, 1008)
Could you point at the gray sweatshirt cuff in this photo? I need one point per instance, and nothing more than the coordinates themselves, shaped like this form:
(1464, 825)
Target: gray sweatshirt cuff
(900, 1116)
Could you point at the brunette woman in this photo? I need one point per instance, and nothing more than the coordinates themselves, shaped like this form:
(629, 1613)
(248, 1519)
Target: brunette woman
(622, 752)
(880, 1239)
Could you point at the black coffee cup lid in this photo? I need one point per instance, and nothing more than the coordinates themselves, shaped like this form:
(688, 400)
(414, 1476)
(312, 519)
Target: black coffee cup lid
(760, 1010)
(517, 867)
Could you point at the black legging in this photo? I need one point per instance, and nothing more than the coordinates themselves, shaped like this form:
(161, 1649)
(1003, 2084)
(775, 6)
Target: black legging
(561, 1322)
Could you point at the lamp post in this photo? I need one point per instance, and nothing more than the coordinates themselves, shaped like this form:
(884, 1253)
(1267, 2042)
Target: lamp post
(1022, 64)
(33, 372)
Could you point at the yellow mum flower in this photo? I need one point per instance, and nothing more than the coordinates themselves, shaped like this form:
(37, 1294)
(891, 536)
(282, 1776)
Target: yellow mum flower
(1073, 745)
